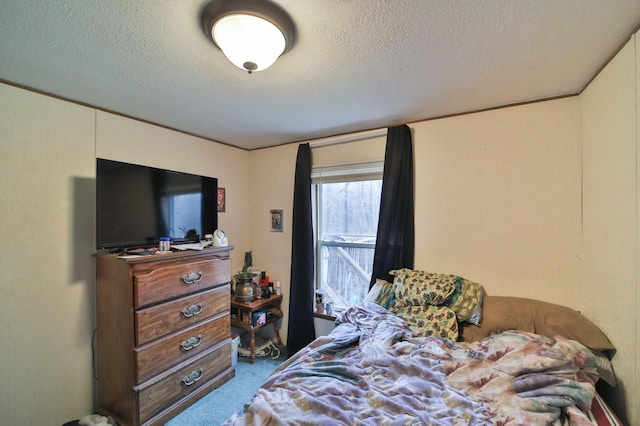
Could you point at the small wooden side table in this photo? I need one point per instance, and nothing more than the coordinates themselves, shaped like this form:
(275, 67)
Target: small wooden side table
(242, 314)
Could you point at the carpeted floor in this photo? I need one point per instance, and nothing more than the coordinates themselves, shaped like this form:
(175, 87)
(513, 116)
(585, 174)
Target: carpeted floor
(219, 404)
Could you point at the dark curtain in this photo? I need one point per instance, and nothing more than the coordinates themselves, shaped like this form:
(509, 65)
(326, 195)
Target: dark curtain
(301, 330)
(395, 238)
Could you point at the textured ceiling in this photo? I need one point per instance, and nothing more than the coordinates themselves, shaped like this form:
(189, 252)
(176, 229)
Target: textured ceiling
(356, 64)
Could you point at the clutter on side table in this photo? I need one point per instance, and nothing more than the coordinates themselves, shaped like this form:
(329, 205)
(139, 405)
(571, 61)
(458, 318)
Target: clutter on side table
(324, 305)
(259, 318)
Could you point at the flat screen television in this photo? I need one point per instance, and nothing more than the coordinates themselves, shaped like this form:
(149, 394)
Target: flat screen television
(136, 205)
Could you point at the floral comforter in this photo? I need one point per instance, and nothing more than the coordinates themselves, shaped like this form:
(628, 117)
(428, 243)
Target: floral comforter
(371, 370)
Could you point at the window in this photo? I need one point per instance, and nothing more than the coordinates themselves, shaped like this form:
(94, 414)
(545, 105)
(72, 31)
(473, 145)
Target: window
(184, 212)
(346, 209)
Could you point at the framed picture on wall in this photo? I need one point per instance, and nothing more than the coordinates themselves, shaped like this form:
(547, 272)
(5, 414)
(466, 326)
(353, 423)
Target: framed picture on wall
(277, 221)
(222, 200)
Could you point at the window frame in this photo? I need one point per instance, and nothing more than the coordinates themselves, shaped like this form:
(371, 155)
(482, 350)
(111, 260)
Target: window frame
(336, 173)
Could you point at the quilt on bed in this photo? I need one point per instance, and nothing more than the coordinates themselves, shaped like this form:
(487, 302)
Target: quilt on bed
(372, 370)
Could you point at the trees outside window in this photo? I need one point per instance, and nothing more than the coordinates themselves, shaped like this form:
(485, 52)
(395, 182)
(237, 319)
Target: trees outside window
(346, 220)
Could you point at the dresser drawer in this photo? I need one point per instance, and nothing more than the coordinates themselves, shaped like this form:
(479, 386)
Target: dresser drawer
(184, 381)
(158, 356)
(173, 280)
(156, 321)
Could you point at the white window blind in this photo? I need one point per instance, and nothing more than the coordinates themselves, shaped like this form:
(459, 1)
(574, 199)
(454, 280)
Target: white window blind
(366, 170)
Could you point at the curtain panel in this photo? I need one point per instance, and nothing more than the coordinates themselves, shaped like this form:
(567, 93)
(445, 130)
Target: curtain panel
(395, 240)
(301, 330)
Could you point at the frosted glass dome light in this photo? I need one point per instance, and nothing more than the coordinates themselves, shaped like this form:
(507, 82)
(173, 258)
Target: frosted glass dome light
(252, 34)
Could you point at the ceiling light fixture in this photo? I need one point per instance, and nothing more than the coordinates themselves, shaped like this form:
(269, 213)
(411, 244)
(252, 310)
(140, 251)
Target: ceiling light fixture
(252, 34)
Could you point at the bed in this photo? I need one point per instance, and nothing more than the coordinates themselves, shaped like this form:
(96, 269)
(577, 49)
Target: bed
(434, 349)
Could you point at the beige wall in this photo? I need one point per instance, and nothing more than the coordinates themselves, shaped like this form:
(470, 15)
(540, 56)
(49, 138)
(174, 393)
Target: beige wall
(498, 199)
(271, 188)
(634, 409)
(47, 279)
(46, 273)
(609, 289)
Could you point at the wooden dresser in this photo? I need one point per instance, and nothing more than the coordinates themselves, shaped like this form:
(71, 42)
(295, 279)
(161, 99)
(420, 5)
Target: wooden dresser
(163, 332)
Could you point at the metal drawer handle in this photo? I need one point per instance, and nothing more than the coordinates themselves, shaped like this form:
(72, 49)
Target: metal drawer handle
(191, 343)
(192, 278)
(192, 310)
(193, 377)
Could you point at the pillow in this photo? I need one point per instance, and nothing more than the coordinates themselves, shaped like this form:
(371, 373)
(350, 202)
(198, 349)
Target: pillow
(430, 321)
(419, 288)
(466, 301)
(605, 369)
(381, 293)
(374, 291)
(502, 313)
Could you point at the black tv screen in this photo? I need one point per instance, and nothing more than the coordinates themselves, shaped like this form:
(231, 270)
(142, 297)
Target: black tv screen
(136, 205)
